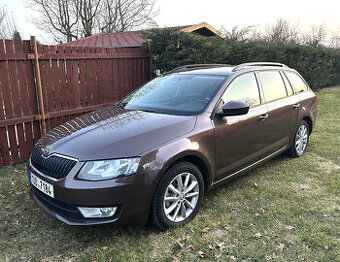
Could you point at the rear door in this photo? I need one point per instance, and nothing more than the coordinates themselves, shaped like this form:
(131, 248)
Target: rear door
(240, 140)
(282, 107)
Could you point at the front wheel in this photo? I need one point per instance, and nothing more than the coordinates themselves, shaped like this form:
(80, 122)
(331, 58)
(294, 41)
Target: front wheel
(301, 139)
(178, 196)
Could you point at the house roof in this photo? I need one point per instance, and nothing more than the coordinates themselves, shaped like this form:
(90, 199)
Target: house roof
(133, 38)
(119, 39)
(203, 29)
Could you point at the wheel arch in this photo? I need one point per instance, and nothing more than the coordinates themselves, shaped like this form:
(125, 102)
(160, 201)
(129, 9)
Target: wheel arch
(195, 158)
(309, 122)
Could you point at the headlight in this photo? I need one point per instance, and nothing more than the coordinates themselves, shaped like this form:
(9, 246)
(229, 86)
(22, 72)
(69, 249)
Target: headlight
(108, 169)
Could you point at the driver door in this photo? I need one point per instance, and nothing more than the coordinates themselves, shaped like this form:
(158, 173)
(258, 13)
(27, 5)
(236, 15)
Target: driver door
(242, 139)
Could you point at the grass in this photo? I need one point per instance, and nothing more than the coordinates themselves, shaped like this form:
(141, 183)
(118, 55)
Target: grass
(286, 210)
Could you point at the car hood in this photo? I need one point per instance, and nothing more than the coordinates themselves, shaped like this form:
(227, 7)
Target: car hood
(113, 132)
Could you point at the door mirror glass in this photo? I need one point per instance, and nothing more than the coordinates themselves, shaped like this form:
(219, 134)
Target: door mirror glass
(234, 108)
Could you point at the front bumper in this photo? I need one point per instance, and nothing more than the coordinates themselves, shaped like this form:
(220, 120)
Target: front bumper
(69, 214)
(127, 194)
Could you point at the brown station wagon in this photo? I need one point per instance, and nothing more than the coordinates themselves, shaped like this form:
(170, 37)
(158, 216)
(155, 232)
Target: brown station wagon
(153, 155)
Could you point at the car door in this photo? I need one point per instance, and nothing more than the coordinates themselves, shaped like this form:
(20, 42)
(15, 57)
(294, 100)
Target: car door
(242, 139)
(282, 108)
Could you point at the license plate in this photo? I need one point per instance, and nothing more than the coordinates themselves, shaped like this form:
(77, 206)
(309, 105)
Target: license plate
(42, 185)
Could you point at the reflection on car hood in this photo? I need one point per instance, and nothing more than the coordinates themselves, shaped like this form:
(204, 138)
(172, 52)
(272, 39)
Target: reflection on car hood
(113, 132)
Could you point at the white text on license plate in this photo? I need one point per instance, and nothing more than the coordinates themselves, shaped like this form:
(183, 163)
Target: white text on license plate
(42, 185)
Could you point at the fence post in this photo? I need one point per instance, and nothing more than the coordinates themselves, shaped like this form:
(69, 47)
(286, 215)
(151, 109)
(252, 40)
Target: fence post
(41, 97)
(150, 54)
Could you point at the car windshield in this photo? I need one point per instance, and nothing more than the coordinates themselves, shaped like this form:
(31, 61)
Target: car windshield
(184, 94)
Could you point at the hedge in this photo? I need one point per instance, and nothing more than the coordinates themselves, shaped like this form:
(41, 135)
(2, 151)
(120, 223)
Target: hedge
(171, 48)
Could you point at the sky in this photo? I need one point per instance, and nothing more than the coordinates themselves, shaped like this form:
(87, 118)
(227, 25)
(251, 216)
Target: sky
(216, 13)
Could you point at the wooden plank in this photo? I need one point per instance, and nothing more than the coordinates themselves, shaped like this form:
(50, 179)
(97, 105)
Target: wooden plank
(82, 73)
(28, 144)
(106, 78)
(125, 77)
(93, 80)
(99, 73)
(109, 75)
(75, 80)
(8, 57)
(49, 88)
(33, 101)
(88, 83)
(11, 96)
(93, 55)
(69, 81)
(56, 87)
(62, 79)
(115, 80)
(43, 64)
(5, 158)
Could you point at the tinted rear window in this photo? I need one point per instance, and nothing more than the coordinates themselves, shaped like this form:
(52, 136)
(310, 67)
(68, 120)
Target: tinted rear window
(272, 85)
(296, 81)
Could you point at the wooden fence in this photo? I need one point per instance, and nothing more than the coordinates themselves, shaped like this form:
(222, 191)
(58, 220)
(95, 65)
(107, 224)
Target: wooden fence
(73, 81)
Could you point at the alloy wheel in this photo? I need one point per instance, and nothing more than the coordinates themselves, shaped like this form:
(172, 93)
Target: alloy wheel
(181, 197)
(301, 139)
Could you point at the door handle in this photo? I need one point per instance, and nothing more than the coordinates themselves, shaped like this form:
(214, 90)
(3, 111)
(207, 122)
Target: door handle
(263, 117)
(296, 106)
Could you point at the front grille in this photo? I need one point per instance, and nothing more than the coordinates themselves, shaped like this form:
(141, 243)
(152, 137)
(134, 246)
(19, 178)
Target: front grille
(53, 166)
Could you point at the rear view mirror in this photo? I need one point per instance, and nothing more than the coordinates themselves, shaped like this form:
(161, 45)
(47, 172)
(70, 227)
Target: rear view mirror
(234, 108)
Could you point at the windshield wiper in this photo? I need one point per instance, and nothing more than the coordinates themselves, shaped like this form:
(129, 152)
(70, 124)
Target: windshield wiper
(120, 105)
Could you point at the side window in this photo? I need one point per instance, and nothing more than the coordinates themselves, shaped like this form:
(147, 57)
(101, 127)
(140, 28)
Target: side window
(296, 81)
(272, 85)
(287, 84)
(243, 88)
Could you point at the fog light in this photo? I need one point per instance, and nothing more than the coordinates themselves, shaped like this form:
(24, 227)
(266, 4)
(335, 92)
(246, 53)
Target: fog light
(97, 212)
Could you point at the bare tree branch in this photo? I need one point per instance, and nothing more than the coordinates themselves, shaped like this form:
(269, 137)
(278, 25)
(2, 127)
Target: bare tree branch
(282, 31)
(57, 17)
(3, 14)
(316, 36)
(238, 33)
(68, 20)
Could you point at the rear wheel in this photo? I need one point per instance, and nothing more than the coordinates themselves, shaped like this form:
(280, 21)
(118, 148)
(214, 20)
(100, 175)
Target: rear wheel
(178, 196)
(301, 139)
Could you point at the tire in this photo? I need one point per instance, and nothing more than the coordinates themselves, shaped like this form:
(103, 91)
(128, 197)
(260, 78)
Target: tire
(297, 149)
(171, 209)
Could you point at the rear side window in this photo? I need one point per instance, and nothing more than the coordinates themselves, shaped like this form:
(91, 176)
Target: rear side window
(288, 86)
(243, 88)
(272, 85)
(296, 81)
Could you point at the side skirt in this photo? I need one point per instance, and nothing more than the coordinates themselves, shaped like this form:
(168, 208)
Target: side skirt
(253, 165)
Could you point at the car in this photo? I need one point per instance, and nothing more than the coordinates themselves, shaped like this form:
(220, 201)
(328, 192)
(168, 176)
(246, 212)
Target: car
(153, 155)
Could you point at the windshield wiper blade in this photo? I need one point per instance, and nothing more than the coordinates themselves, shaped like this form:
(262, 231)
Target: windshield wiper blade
(120, 105)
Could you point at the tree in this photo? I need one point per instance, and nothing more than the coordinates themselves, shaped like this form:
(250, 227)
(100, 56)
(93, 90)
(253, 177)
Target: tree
(316, 36)
(239, 33)
(16, 35)
(69, 20)
(335, 40)
(88, 11)
(57, 17)
(3, 14)
(281, 32)
(7, 24)
(122, 15)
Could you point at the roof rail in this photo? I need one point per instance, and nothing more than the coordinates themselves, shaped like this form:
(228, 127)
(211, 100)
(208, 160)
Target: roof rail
(242, 66)
(194, 66)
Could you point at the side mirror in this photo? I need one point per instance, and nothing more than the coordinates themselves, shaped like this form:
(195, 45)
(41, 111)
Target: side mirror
(234, 108)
